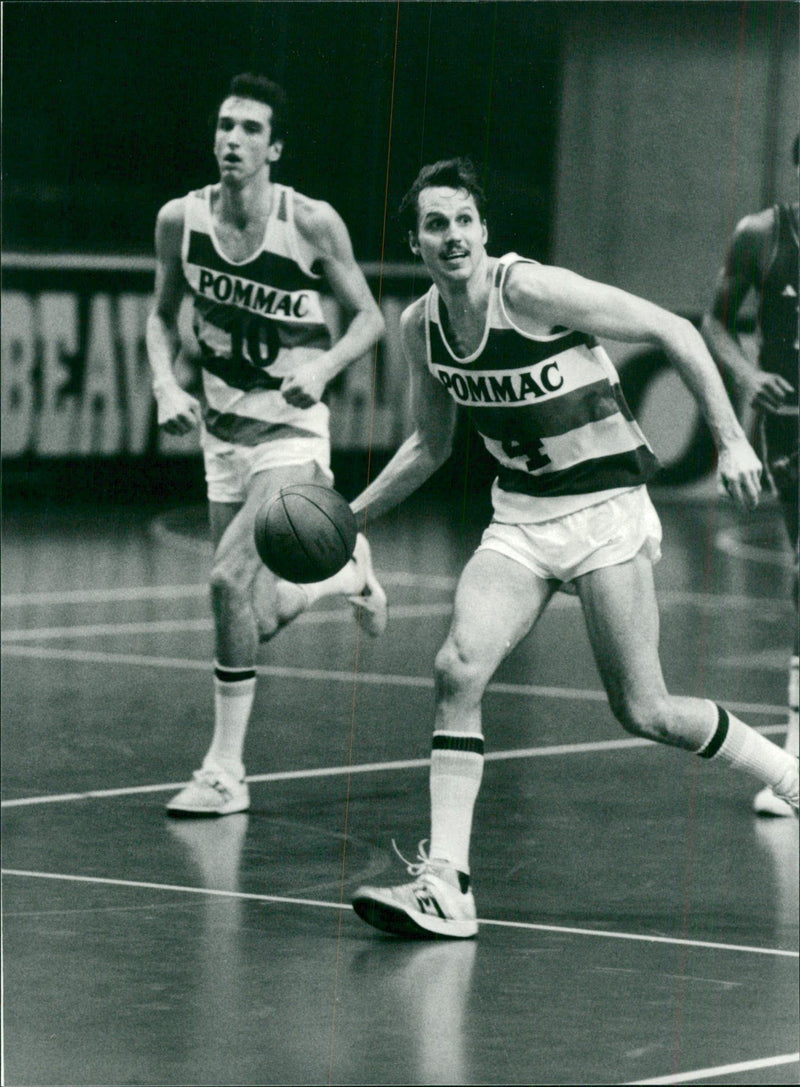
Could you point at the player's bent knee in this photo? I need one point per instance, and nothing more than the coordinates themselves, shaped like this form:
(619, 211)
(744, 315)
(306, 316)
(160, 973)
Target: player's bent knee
(647, 718)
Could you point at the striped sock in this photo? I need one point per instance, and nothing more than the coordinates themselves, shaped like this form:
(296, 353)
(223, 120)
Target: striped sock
(234, 691)
(455, 779)
(736, 743)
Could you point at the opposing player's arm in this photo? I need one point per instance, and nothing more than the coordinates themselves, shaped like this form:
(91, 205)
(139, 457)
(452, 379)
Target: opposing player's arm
(740, 275)
(178, 411)
(538, 295)
(433, 413)
(325, 234)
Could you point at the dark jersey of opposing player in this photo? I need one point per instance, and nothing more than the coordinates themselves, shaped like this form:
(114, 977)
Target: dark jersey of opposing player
(549, 408)
(778, 319)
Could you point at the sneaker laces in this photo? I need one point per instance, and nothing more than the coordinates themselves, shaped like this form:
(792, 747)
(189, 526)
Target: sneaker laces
(214, 781)
(423, 865)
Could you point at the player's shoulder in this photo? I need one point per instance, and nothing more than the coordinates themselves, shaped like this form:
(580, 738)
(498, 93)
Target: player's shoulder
(317, 221)
(526, 280)
(169, 227)
(173, 212)
(412, 324)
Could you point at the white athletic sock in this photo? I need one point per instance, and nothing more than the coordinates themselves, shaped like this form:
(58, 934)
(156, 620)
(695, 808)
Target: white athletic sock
(455, 779)
(234, 690)
(741, 746)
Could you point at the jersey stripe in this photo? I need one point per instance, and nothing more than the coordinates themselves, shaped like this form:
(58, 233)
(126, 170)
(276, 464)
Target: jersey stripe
(230, 427)
(548, 406)
(548, 417)
(264, 268)
(587, 477)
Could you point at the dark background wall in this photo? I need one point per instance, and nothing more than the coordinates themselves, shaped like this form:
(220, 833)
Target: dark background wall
(622, 139)
(106, 109)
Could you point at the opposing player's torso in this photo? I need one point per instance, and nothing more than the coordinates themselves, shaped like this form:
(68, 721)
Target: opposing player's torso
(255, 321)
(549, 408)
(778, 318)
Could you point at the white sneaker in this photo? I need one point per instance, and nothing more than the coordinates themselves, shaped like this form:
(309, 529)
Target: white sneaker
(211, 792)
(434, 904)
(766, 802)
(370, 606)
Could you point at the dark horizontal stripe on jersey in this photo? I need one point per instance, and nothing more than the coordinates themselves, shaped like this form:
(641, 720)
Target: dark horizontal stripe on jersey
(271, 269)
(224, 315)
(239, 374)
(506, 349)
(447, 742)
(548, 418)
(233, 675)
(596, 474)
(243, 430)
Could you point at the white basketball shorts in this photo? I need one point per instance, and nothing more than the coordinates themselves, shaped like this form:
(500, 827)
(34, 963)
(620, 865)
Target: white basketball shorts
(229, 468)
(606, 534)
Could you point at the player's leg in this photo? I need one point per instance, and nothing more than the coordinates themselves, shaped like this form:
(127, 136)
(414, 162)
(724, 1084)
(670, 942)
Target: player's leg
(219, 788)
(619, 603)
(497, 602)
(785, 475)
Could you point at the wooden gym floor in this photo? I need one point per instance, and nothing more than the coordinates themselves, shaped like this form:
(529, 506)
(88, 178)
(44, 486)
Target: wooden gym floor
(638, 923)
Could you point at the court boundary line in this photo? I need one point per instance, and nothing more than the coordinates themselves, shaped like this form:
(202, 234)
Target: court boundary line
(719, 1070)
(399, 579)
(321, 903)
(582, 694)
(547, 751)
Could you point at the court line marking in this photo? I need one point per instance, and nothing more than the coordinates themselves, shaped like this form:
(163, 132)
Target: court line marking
(168, 626)
(720, 1070)
(393, 579)
(731, 542)
(85, 656)
(288, 900)
(357, 768)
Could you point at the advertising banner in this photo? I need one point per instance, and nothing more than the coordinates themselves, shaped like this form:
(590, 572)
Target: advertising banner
(76, 382)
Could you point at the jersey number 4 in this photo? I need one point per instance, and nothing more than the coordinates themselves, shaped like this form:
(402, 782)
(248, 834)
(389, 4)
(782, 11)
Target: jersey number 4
(535, 456)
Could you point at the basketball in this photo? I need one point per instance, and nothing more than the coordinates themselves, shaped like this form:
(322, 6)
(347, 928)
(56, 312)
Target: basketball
(305, 533)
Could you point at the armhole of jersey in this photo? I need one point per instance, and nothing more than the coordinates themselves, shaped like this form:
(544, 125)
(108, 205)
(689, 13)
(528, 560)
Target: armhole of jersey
(285, 212)
(430, 299)
(504, 264)
(188, 200)
(775, 240)
(194, 205)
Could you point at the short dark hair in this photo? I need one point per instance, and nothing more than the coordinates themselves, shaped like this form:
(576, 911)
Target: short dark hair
(261, 89)
(458, 173)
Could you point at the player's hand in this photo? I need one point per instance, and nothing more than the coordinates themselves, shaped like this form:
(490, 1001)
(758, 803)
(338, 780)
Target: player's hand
(768, 391)
(739, 473)
(305, 386)
(178, 411)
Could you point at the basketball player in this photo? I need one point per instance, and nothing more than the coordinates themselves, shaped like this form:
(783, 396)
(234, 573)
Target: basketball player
(266, 266)
(762, 261)
(514, 341)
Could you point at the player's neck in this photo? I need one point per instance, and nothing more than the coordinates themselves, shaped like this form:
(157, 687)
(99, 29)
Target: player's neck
(467, 298)
(240, 204)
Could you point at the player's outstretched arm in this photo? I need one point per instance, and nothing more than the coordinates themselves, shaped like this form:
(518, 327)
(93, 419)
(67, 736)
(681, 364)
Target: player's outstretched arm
(539, 296)
(741, 275)
(326, 235)
(178, 411)
(434, 415)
